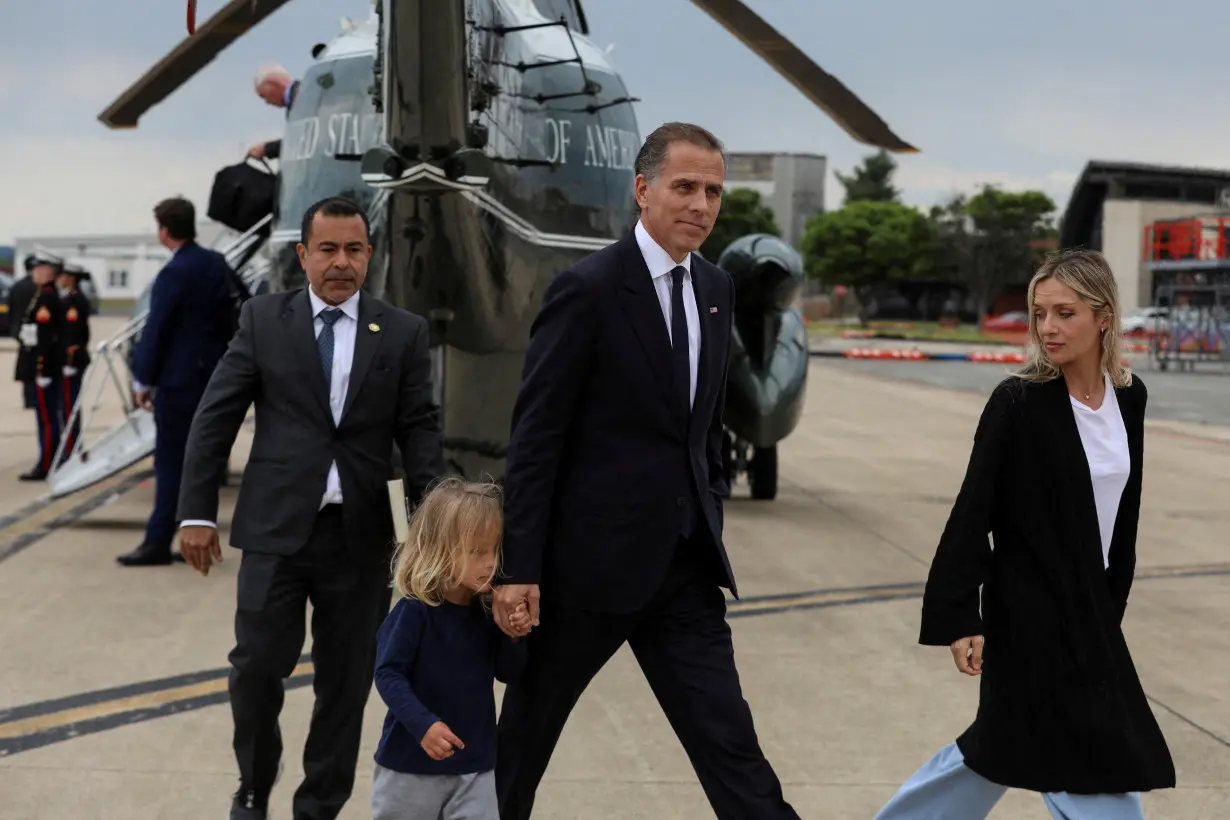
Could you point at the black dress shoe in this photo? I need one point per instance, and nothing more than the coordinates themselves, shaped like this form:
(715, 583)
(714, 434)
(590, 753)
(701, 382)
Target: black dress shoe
(145, 556)
(248, 805)
(33, 475)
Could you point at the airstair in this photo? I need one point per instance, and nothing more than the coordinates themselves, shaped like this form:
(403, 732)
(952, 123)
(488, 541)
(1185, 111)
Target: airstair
(98, 457)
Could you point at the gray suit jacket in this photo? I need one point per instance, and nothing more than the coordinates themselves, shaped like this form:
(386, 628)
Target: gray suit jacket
(273, 362)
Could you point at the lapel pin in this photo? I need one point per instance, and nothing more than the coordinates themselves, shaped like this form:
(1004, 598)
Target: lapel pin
(373, 327)
(713, 309)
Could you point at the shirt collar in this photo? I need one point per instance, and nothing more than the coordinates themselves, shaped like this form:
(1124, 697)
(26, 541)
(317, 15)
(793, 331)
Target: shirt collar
(350, 307)
(657, 260)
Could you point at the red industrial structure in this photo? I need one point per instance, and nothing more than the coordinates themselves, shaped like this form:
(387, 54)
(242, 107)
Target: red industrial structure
(1196, 239)
(1190, 263)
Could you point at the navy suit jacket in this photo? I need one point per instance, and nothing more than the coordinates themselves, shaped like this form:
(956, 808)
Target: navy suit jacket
(190, 321)
(601, 463)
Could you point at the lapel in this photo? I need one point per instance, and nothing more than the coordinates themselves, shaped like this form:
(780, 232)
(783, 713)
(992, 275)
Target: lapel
(366, 341)
(302, 337)
(1133, 422)
(640, 303)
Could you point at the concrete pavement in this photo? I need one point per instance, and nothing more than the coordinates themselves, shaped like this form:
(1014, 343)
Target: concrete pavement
(112, 687)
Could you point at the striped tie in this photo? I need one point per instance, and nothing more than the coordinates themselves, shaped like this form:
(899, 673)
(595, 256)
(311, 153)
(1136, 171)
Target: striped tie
(324, 342)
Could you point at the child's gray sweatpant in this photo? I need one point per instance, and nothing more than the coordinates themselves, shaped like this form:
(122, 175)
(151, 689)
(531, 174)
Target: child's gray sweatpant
(399, 796)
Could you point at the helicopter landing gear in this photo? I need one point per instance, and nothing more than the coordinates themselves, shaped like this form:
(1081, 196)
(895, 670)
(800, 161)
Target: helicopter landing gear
(759, 463)
(762, 473)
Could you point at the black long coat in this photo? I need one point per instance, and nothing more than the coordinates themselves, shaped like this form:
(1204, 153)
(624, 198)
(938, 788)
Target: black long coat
(1060, 706)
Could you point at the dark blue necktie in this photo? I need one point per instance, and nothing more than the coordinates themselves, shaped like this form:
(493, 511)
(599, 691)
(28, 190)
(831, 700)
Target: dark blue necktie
(679, 342)
(683, 376)
(324, 342)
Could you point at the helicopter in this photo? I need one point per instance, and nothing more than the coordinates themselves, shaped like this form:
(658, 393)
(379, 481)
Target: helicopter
(493, 145)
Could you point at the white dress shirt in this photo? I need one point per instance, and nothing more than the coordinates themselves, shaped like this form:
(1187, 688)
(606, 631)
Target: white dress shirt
(344, 330)
(660, 266)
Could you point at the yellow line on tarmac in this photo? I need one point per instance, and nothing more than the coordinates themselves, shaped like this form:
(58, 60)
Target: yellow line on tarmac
(148, 700)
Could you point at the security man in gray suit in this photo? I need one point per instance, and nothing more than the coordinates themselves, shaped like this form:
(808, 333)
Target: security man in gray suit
(337, 377)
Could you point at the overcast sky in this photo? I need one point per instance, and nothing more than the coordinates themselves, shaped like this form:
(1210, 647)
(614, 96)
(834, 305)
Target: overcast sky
(1017, 93)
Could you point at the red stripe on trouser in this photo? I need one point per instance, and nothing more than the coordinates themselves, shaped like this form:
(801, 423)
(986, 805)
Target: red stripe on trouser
(68, 409)
(46, 420)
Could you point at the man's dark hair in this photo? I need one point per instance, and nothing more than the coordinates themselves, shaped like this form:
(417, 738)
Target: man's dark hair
(652, 156)
(333, 206)
(178, 216)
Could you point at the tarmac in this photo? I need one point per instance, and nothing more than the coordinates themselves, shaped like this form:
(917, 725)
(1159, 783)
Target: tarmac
(113, 696)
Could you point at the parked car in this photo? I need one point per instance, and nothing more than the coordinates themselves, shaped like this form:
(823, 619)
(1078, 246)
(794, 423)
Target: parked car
(1146, 321)
(1014, 321)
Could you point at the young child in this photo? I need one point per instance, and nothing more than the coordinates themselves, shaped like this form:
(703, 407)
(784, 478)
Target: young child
(438, 654)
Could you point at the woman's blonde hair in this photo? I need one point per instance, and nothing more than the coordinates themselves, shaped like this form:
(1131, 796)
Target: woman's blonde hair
(442, 535)
(1088, 274)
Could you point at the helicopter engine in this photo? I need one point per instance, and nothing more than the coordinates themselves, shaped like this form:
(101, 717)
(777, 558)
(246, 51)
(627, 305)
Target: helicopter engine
(769, 356)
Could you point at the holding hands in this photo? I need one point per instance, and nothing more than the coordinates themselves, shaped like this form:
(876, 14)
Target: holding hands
(515, 608)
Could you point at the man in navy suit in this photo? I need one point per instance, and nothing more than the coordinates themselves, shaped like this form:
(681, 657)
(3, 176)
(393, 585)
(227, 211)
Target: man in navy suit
(613, 512)
(190, 322)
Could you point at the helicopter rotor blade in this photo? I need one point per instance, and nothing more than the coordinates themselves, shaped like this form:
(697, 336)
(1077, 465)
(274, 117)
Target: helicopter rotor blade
(204, 43)
(822, 88)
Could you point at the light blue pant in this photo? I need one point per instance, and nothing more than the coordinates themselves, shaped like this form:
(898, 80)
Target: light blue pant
(946, 789)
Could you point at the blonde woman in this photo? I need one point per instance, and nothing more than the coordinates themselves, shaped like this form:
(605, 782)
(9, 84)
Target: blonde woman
(1055, 478)
(438, 654)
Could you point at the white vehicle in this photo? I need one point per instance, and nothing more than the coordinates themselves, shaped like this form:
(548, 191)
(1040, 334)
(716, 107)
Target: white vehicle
(1149, 320)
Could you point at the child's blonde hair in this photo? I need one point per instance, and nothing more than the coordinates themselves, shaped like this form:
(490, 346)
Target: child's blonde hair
(441, 536)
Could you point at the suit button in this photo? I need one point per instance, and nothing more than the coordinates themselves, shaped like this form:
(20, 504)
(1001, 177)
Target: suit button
(681, 502)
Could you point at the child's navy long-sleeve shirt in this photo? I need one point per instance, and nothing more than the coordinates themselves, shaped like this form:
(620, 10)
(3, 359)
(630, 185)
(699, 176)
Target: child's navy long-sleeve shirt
(440, 663)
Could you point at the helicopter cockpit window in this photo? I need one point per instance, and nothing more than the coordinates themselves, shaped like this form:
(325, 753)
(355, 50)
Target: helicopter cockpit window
(332, 124)
(555, 9)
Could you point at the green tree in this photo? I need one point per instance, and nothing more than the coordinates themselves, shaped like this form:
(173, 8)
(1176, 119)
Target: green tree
(872, 181)
(742, 213)
(866, 244)
(984, 240)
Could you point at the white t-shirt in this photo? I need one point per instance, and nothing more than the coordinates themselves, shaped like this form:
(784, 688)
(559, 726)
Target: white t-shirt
(1104, 438)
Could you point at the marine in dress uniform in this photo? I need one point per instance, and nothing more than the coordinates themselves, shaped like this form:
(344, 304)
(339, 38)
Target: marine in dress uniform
(75, 341)
(39, 359)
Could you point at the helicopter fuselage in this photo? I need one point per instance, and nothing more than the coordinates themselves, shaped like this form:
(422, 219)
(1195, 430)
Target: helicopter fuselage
(492, 148)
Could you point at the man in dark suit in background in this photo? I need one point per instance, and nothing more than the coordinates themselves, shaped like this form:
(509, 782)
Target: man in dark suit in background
(614, 491)
(337, 377)
(189, 323)
(274, 85)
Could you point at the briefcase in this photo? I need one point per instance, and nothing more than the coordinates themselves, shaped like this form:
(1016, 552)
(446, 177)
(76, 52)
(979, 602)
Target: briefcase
(242, 195)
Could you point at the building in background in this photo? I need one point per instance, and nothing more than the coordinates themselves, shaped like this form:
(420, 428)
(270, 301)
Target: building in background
(120, 265)
(792, 185)
(1114, 203)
